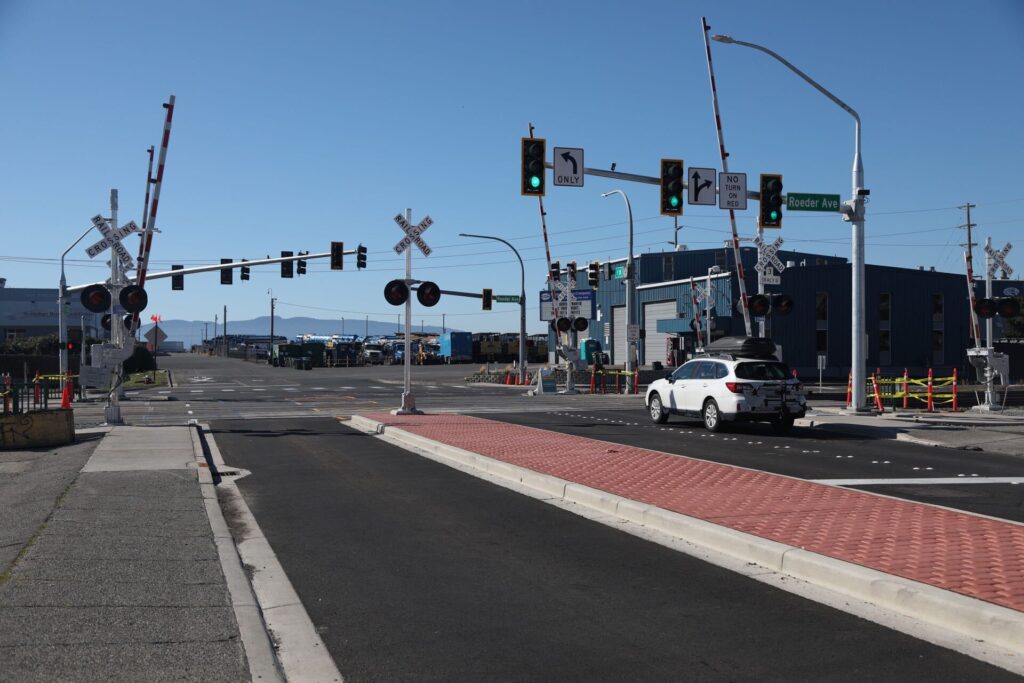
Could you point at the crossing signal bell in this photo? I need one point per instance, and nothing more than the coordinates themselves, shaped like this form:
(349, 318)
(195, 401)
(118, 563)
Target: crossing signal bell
(360, 256)
(337, 255)
(396, 292)
(534, 153)
(771, 201)
(286, 266)
(672, 187)
(96, 298)
(594, 274)
(428, 294)
(487, 300)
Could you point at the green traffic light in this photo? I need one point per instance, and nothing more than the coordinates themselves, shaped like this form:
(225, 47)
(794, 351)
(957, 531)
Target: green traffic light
(774, 215)
(534, 182)
(674, 201)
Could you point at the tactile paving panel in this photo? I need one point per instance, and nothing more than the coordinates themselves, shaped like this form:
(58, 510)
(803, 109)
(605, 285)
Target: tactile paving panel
(976, 556)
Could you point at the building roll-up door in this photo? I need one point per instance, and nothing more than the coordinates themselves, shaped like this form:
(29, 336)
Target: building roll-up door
(618, 334)
(654, 343)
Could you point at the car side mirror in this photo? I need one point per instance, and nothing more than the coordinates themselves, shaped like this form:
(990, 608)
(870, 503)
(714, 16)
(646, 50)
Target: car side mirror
(670, 378)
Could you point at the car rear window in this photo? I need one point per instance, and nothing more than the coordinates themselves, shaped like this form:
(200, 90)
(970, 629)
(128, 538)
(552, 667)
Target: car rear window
(762, 370)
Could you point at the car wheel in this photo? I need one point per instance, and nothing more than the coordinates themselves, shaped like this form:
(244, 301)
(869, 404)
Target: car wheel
(782, 425)
(658, 412)
(712, 416)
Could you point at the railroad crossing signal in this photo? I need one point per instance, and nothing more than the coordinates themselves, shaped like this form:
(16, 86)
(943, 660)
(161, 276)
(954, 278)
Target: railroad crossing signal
(396, 292)
(428, 293)
(360, 257)
(672, 187)
(133, 299)
(338, 256)
(534, 152)
(96, 298)
(771, 200)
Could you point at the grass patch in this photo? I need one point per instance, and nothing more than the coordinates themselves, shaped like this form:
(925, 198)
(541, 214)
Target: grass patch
(146, 380)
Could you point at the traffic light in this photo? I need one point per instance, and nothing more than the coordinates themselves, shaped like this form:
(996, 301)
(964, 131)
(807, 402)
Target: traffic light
(96, 298)
(533, 166)
(360, 256)
(771, 200)
(580, 324)
(337, 255)
(985, 308)
(396, 292)
(555, 271)
(782, 304)
(672, 187)
(74, 342)
(286, 266)
(226, 274)
(570, 272)
(301, 265)
(1008, 307)
(133, 299)
(244, 275)
(428, 293)
(759, 305)
(488, 299)
(177, 281)
(594, 275)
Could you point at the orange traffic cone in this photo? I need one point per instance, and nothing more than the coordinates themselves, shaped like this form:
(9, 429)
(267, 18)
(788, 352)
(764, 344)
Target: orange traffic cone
(65, 396)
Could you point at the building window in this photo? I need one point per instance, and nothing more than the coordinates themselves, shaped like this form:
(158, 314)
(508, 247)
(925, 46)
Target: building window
(821, 310)
(821, 342)
(722, 258)
(819, 261)
(938, 347)
(666, 268)
(937, 309)
(13, 333)
(884, 348)
(885, 307)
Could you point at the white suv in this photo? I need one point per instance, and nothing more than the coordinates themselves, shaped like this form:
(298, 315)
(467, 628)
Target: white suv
(729, 389)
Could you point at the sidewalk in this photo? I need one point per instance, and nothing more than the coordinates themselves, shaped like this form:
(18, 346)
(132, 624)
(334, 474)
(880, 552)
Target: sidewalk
(109, 569)
(1001, 432)
(956, 570)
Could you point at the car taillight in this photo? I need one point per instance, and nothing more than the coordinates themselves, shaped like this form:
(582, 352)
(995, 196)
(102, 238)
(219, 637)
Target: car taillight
(736, 387)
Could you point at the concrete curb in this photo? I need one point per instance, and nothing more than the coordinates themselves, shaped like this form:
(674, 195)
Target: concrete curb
(301, 654)
(259, 652)
(941, 608)
(924, 442)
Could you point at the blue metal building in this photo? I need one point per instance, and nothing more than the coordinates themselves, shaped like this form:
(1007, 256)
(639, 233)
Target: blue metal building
(915, 318)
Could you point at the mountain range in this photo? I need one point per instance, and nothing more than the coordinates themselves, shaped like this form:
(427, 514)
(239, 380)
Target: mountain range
(194, 331)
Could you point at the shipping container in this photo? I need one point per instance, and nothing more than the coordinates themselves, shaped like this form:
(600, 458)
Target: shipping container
(457, 347)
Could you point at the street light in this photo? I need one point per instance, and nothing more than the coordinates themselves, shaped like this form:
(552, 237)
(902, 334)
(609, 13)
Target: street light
(854, 212)
(522, 302)
(630, 285)
(62, 295)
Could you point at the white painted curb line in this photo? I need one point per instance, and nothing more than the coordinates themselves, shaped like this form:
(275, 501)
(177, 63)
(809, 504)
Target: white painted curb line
(970, 617)
(300, 652)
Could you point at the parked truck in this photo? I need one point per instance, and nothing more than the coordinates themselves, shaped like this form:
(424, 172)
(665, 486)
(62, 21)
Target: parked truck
(456, 347)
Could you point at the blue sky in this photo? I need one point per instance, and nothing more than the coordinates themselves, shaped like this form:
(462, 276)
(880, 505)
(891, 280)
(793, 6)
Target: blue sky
(301, 123)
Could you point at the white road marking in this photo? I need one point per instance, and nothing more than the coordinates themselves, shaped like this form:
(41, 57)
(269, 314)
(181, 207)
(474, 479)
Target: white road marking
(932, 480)
(290, 389)
(164, 392)
(197, 391)
(259, 389)
(227, 389)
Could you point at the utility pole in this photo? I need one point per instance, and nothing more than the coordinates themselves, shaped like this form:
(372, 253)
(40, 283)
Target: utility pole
(270, 344)
(969, 261)
(225, 331)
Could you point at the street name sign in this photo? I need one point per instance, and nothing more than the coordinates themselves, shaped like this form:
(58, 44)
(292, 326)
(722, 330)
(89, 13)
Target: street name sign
(701, 186)
(732, 191)
(568, 165)
(801, 201)
(412, 234)
(507, 298)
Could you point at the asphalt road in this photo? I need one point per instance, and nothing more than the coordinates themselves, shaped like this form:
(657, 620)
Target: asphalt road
(818, 453)
(413, 570)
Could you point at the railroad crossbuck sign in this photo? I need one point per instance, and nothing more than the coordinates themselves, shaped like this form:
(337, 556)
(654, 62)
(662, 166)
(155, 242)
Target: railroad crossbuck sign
(767, 259)
(112, 238)
(412, 234)
(998, 257)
